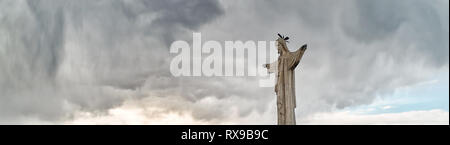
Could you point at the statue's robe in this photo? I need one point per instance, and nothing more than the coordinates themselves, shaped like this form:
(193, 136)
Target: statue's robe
(285, 85)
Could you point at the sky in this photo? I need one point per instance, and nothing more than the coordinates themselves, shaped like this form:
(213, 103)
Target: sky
(107, 61)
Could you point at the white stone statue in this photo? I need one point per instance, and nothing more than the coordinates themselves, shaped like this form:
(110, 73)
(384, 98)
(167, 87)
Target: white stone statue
(285, 83)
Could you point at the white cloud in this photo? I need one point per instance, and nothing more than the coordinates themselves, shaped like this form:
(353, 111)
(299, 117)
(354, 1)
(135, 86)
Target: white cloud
(151, 112)
(172, 110)
(386, 107)
(425, 117)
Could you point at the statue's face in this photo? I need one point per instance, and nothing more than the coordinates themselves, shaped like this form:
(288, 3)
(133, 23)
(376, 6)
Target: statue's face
(279, 45)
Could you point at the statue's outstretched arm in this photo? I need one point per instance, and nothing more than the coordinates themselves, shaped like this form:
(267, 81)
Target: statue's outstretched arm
(297, 57)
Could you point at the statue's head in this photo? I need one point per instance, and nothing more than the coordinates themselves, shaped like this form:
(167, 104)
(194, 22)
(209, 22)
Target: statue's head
(281, 44)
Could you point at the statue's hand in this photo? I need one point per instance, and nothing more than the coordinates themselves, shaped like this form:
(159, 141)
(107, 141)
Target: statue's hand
(303, 48)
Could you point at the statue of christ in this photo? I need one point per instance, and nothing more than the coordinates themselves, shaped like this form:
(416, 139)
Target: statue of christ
(285, 83)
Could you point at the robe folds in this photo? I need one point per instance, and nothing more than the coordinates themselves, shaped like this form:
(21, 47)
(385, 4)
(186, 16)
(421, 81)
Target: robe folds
(285, 85)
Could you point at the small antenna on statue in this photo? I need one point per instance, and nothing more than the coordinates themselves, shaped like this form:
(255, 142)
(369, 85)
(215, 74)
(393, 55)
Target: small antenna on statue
(284, 38)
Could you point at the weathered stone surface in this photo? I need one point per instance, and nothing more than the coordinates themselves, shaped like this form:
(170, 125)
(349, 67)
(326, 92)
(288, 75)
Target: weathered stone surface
(285, 85)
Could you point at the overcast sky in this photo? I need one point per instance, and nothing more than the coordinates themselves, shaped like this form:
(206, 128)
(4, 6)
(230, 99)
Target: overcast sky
(107, 61)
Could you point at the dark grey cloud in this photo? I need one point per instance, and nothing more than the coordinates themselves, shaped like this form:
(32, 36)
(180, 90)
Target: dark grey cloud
(61, 56)
(378, 20)
(358, 50)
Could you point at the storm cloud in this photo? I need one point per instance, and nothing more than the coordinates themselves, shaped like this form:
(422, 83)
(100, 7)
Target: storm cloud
(59, 58)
